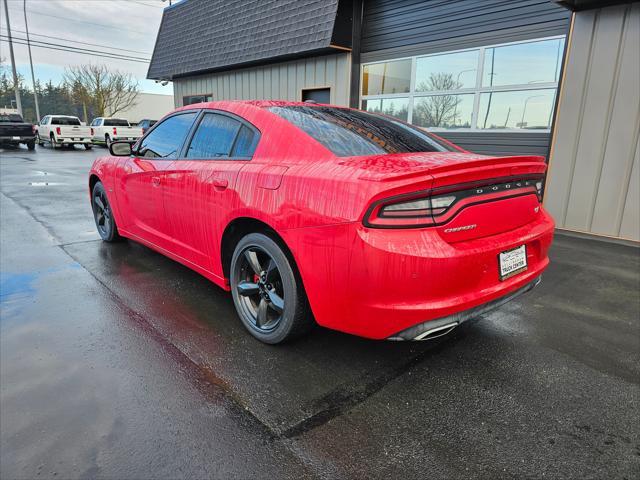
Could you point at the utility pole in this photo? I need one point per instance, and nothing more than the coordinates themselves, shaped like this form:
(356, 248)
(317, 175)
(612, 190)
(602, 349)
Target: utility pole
(33, 76)
(13, 61)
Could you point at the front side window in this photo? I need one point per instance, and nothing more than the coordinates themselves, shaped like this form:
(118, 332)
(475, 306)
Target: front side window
(165, 141)
(511, 86)
(352, 132)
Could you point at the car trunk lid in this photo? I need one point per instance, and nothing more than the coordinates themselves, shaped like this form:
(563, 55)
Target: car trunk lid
(492, 194)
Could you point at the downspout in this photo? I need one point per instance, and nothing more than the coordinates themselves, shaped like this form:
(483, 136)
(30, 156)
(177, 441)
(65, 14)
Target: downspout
(356, 40)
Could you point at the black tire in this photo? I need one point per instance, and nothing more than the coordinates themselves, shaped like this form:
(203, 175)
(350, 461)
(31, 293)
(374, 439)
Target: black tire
(88, 146)
(267, 293)
(102, 214)
(39, 140)
(31, 145)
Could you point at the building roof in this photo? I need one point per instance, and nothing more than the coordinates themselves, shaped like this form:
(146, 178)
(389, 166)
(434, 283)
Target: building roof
(198, 36)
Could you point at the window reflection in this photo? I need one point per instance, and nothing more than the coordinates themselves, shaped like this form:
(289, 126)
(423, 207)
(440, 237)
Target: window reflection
(387, 77)
(529, 109)
(447, 72)
(504, 86)
(443, 111)
(523, 63)
(394, 107)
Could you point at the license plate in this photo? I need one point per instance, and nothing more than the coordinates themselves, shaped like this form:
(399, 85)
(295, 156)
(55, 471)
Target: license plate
(15, 138)
(512, 262)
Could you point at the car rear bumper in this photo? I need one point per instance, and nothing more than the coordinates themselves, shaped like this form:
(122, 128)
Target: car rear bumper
(17, 138)
(376, 283)
(131, 138)
(73, 140)
(435, 328)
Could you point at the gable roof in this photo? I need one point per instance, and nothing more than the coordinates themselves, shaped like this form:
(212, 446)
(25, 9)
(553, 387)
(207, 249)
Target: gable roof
(197, 36)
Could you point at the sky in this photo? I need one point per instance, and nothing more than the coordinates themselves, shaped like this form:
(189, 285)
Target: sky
(109, 24)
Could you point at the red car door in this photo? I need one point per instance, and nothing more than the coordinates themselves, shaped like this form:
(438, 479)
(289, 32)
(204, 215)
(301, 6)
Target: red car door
(199, 187)
(141, 179)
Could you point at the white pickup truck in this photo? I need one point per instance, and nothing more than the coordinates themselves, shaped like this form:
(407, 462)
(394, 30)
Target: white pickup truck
(61, 130)
(106, 130)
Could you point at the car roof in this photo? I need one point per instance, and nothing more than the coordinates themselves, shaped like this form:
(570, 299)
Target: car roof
(259, 104)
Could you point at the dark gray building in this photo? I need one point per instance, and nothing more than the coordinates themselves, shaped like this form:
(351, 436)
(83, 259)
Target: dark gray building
(494, 76)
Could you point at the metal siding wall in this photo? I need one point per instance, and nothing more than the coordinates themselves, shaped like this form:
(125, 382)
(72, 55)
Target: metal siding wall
(392, 24)
(281, 81)
(511, 143)
(593, 177)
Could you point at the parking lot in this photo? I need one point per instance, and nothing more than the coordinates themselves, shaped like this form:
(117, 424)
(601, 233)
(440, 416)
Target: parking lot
(118, 362)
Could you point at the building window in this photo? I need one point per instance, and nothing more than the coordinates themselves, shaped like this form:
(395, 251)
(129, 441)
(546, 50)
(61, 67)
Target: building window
(191, 99)
(386, 77)
(504, 87)
(318, 95)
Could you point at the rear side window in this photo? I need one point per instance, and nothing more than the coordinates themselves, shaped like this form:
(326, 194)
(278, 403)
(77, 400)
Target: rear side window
(353, 132)
(115, 122)
(165, 141)
(65, 121)
(245, 143)
(11, 118)
(220, 136)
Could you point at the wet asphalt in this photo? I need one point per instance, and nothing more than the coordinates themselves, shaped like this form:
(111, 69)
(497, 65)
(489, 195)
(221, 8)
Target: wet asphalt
(116, 362)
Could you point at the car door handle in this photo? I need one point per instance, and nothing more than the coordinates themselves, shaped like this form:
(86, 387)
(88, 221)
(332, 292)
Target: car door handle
(155, 181)
(220, 183)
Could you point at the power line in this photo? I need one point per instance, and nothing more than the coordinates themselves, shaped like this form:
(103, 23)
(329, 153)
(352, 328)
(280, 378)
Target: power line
(82, 43)
(84, 22)
(73, 50)
(88, 50)
(96, 1)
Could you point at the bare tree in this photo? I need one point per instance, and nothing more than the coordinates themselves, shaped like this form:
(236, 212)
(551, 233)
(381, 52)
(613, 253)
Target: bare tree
(437, 110)
(106, 92)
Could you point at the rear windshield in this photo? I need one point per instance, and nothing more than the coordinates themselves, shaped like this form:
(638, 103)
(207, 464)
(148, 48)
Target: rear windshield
(65, 121)
(11, 117)
(115, 122)
(353, 132)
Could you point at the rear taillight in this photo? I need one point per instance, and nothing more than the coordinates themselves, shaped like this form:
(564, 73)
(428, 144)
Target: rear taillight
(421, 207)
(115, 132)
(58, 131)
(92, 132)
(33, 129)
(438, 206)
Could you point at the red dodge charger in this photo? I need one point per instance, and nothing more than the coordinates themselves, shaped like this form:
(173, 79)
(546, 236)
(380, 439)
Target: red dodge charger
(306, 212)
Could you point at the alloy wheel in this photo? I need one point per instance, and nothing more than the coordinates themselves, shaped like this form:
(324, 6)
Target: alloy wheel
(260, 289)
(102, 213)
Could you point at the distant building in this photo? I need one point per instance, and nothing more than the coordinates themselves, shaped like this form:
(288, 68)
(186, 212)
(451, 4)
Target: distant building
(148, 105)
(554, 78)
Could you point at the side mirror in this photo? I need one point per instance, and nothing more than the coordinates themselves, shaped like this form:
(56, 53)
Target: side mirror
(120, 149)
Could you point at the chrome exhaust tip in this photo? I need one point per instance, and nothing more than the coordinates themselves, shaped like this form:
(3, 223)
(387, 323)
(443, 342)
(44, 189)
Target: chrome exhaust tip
(436, 332)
